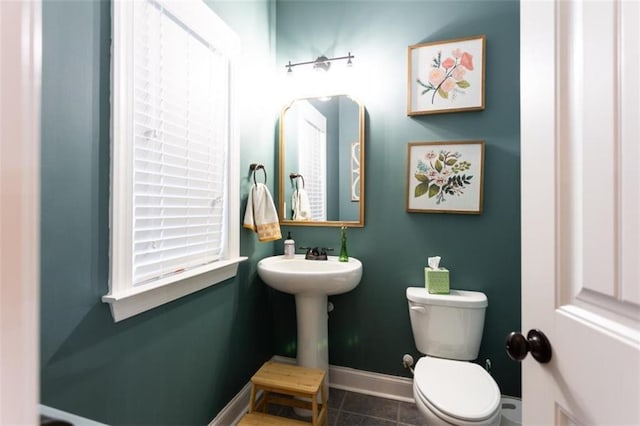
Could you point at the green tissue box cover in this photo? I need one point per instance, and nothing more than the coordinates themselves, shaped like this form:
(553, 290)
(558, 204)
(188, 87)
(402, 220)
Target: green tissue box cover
(436, 280)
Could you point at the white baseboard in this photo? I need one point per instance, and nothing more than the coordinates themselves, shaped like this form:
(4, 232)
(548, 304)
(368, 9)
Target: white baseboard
(235, 409)
(349, 379)
(369, 383)
(56, 414)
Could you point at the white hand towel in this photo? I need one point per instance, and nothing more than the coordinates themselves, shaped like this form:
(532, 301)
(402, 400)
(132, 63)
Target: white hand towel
(301, 206)
(261, 215)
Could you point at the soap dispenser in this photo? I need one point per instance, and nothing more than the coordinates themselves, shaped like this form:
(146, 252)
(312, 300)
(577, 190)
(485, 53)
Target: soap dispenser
(289, 247)
(344, 256)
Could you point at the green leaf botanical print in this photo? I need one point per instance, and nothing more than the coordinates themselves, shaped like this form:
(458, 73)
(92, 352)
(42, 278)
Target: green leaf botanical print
(441, 175)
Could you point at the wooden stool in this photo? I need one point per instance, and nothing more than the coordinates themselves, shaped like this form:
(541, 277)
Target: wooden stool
(303, 384)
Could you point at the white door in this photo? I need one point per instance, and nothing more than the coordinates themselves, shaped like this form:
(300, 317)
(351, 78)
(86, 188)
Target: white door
(20, 66)
(581, 209)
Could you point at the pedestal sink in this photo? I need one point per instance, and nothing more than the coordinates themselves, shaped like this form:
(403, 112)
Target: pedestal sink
(311, 281)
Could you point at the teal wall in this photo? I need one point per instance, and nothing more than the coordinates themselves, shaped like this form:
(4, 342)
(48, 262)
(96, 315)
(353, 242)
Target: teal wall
(179, 363)
(369, 328)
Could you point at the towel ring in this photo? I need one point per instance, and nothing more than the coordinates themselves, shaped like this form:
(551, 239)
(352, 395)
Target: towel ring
(293, 176)
(255, 167)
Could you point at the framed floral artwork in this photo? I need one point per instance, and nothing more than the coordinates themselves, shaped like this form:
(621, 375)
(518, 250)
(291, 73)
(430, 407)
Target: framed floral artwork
(446, 76)
(445, 177)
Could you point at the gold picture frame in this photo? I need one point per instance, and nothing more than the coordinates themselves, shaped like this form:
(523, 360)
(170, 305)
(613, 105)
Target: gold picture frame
(445, 177)
(446, 76)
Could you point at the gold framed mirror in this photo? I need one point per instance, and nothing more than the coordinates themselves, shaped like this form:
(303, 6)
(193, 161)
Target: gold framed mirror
(321, 165)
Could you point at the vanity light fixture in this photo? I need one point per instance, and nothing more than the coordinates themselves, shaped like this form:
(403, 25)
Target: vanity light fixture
(321, 63)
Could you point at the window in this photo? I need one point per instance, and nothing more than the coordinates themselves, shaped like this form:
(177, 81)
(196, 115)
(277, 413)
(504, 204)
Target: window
(174, 198)
(312, 158)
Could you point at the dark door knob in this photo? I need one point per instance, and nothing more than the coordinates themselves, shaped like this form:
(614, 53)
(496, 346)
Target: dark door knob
(536, 343)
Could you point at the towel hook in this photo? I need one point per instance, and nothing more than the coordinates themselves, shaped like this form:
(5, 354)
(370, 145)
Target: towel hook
(295, 176)
(255, 166)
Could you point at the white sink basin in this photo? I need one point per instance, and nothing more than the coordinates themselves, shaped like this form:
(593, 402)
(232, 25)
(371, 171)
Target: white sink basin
(300, 276)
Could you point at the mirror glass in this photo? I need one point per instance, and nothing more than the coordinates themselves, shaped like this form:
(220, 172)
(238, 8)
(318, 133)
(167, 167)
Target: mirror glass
(321, 180)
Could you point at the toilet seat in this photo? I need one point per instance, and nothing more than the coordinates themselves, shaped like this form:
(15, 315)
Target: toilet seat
(458, 392)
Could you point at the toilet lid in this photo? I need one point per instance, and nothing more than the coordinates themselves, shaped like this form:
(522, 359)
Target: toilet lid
(459, 389)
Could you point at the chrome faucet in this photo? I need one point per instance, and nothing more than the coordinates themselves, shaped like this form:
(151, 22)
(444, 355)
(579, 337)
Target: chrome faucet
(313, 253)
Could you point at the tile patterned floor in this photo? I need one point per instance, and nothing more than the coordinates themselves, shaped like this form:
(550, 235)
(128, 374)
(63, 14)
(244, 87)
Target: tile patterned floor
(355, 409)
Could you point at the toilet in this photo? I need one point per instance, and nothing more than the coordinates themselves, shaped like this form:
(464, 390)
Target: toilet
(447, 388)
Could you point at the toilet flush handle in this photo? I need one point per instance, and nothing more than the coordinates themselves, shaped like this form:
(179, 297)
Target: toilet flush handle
(417, 308)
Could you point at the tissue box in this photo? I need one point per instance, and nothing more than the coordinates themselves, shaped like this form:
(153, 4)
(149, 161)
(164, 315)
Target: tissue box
(436, 280)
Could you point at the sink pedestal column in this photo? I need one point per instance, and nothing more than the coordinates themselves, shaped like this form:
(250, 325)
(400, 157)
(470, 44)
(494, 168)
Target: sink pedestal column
(313, 344)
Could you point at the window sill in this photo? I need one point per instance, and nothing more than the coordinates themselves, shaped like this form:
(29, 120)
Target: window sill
(133, 301)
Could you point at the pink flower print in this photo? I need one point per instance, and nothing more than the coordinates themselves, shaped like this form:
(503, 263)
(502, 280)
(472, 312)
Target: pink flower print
(431, 155)
(467, 61)
(448, 63)
(440, 180)
(432, 174)
(448, 85)
(435, 76)
(458, 73)
(447, 76)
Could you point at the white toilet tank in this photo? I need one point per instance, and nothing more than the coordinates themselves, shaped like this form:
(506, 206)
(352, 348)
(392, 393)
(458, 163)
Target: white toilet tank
(447, 325)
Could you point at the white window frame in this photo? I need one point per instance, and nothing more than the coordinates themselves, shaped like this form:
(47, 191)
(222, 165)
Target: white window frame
(125, 299)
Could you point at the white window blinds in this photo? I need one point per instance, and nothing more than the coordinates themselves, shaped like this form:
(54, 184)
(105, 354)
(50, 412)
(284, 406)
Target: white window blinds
(180, 137)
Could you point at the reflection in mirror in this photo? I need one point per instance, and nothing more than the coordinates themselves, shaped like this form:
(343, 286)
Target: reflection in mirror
(321, 180)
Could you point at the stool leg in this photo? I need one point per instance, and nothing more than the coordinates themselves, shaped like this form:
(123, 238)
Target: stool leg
(252, 402)
(325, 408)
(314, 410)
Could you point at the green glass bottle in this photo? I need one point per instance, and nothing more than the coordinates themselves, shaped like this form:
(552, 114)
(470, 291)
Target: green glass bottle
(344, 256)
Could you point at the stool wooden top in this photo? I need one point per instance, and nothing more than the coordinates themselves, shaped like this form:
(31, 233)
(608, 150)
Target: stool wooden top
(289, 377)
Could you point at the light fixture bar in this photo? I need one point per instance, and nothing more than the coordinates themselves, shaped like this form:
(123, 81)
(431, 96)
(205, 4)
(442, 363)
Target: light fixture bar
(321, 62)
